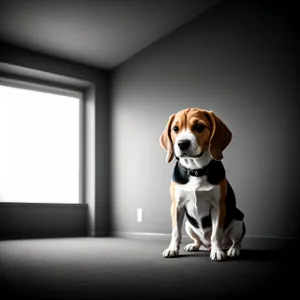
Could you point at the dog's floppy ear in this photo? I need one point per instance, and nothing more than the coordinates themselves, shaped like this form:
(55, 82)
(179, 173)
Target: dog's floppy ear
(220, 136)
(165, 140)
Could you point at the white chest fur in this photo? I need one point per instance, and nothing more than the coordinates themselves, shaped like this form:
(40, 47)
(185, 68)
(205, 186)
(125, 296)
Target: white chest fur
(198, 196)
(197, 187)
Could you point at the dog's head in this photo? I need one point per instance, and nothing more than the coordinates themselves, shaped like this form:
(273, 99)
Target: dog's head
(190, 132)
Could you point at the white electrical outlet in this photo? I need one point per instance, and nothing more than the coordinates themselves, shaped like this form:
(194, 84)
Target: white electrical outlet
(139, 215)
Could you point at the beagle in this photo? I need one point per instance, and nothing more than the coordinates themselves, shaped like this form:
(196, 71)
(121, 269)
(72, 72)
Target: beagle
(199, 188)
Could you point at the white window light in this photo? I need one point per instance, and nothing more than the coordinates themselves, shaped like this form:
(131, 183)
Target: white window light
(39, 146)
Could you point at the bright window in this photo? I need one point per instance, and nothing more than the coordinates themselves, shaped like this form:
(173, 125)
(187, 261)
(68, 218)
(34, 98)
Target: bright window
(39, 146)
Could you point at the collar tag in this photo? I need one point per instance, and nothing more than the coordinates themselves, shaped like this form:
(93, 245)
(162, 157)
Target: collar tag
(196, 173)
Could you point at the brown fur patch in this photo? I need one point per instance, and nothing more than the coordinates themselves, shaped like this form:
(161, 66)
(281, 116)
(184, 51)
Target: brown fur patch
(180, 121)
(165, 140)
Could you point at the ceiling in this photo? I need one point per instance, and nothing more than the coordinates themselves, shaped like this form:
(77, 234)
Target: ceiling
(100, 33)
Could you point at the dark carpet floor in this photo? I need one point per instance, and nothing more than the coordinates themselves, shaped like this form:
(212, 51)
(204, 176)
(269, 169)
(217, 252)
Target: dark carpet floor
(115, 268)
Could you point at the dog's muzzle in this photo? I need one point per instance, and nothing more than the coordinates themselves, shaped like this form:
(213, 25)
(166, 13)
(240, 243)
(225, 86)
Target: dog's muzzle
(184, 144)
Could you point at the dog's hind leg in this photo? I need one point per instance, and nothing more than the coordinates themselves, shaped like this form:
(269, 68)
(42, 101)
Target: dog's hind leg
(193, 246)
(236, 234)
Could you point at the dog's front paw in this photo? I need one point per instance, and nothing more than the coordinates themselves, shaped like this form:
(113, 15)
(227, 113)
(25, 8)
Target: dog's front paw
(191, 247)
(171, 252)
(233, 252)
(217, 254)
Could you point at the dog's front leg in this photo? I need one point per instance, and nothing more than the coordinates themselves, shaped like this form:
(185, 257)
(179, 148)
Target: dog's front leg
(216, 252)
(177, 215)
(218, 213)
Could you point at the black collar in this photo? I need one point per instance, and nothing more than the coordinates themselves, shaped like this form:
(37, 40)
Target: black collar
(195, 172)
(214, 171)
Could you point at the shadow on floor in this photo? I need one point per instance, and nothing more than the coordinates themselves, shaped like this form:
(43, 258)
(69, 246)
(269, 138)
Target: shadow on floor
(248, 255)
(265, 255)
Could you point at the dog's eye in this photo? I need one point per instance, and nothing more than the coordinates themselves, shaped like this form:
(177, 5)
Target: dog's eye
(175, 129)
(199, 127)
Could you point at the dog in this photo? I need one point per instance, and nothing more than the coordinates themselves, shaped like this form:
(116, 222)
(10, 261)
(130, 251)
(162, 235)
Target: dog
(199, 188)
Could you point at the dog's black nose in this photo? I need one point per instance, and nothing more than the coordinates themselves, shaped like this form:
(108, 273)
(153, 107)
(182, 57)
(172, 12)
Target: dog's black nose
(184, 144)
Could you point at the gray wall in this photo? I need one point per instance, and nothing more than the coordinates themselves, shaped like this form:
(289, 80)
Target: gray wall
(19, 63)
(238, 59)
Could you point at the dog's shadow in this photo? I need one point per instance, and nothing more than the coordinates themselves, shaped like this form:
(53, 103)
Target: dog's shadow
(248, 255)
(264, 255)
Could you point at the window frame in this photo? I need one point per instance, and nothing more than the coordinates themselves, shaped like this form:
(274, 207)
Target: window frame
(52, 88)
